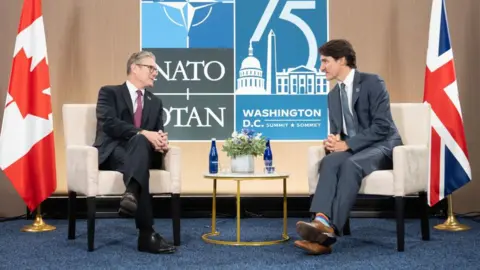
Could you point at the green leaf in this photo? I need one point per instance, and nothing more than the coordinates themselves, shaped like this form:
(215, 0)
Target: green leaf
(245, 143)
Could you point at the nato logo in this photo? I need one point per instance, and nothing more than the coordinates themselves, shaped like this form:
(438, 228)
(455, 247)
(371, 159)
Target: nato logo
(187, 23)
(280, 90)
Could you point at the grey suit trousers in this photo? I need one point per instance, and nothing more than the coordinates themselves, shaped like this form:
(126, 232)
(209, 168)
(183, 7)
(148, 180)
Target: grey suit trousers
(340, 177)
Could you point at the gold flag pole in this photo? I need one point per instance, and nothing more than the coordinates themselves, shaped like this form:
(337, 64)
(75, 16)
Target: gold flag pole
(451, 224)
(38, 225)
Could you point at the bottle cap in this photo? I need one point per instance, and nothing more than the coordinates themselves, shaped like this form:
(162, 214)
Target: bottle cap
(213, 139)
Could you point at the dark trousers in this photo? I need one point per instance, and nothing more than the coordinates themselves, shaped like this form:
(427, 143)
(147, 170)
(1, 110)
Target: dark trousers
(340, 177)
(134, 159)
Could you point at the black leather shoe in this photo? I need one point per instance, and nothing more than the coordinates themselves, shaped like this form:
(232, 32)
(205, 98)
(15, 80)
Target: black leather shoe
(128, 205)
(154, 243)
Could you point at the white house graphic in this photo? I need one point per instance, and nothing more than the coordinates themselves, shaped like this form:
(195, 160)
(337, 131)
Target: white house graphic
(299, 80)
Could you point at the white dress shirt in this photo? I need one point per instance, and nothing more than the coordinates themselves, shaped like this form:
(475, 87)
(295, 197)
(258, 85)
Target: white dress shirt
(133, 94)
(349, 89)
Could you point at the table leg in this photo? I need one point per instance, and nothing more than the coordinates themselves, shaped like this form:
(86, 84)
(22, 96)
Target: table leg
(238, 242)
(238, 211)
(214, 206)
(284, 207)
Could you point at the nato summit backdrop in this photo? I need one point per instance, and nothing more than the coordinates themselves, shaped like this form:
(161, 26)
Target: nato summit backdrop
(225, 65)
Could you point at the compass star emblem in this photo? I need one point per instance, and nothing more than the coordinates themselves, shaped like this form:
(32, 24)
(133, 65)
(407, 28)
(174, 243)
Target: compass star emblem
(187, 10)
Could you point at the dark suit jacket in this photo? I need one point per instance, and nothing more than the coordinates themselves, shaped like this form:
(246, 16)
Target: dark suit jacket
(115, 118)
(371, 112)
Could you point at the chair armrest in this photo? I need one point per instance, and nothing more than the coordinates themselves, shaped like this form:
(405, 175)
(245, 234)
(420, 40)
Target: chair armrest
(173, 161)
(410, 169)
(82, 169)
(315, 155)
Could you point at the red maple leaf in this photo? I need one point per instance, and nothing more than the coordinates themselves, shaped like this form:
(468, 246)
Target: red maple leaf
(26, 86)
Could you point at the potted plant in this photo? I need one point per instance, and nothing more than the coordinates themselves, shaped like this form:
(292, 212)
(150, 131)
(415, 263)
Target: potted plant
(242, 148)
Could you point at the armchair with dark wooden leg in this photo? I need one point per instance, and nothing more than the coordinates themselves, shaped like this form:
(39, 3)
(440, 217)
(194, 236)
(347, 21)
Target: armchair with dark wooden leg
(410, 167)
(85, 179)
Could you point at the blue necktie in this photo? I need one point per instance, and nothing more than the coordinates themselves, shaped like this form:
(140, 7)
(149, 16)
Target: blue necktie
(346, 112)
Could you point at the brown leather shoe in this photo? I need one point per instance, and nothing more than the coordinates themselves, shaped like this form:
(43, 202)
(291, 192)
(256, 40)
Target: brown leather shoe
(313, 248)
(316, 232)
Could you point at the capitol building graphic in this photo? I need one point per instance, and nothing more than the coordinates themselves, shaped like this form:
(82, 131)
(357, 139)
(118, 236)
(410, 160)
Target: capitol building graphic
(300, 80)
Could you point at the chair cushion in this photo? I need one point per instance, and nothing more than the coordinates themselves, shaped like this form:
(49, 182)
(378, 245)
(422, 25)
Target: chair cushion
(111, 182)
(378, 183)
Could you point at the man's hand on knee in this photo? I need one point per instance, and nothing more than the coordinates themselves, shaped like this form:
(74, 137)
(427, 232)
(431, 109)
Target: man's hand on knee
(340, 146)
(154, 138)
(331, 141)
(164, 136)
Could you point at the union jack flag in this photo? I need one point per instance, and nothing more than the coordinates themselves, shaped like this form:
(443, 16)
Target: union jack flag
(448, 158)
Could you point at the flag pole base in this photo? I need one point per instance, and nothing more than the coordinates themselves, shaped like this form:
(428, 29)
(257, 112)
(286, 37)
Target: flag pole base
(451, 224)
(38, 225)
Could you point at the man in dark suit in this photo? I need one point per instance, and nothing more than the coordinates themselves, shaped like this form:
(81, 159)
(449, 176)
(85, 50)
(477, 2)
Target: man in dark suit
(130, 139)
(361, 140)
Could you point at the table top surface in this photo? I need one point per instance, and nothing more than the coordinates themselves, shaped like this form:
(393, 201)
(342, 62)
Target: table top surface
(244, 176)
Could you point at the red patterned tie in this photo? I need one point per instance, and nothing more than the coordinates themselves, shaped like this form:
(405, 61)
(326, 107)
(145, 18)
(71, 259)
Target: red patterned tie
(138, 112)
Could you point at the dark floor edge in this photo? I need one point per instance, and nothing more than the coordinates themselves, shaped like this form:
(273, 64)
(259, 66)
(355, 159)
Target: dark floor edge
(270, 207)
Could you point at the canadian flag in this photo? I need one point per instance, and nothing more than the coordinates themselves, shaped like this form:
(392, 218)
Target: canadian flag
(27, 152)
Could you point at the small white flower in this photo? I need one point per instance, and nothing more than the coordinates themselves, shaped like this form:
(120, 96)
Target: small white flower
(234, 134)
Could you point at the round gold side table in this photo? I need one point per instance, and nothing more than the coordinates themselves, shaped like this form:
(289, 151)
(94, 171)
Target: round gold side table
(239, 178)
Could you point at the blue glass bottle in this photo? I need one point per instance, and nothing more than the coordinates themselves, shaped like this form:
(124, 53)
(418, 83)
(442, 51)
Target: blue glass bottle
(213, 158)
(268, 156)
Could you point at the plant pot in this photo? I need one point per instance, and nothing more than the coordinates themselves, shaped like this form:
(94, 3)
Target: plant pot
(243, 164)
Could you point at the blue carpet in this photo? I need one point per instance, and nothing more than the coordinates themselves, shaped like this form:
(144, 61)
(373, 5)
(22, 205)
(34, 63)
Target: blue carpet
(372, 245)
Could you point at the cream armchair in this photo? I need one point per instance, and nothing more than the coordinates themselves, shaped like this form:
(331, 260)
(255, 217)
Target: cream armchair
(84, 177)
(410, 167)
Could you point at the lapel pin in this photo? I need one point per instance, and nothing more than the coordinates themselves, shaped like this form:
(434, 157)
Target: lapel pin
(357, 90)
(149, 98)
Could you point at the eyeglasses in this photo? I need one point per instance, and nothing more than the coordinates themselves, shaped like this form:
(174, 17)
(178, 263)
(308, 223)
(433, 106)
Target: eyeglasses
(151, 68)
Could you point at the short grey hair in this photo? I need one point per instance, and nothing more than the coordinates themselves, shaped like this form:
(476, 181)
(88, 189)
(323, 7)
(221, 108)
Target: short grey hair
(136, 57)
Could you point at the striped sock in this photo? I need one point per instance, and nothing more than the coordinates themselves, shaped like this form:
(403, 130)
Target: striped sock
(322, 218)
